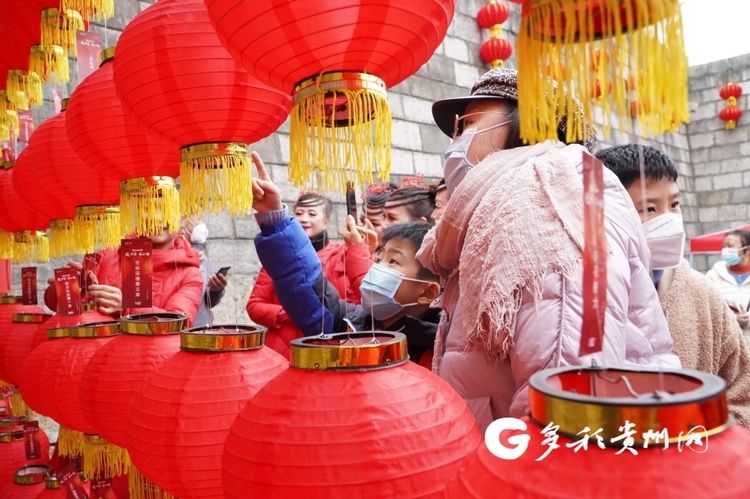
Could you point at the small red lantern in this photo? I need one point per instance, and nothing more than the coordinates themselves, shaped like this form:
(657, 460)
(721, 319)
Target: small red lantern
(496, 50)
(28, 482)
(16, 340)
(492, 13)
(13, 453)
(731, 91)
(174, 76)
(731, 116)
(180, 418)
(597, 92)
(107, 139)
(368, 423)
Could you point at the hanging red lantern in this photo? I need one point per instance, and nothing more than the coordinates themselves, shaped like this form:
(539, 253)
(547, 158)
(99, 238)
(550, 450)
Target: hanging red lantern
(365, 412)
(115, 374)
(52, 166)
(16, 341)
(13, 453)
(731, 91)
(173, 75)
(28, 482)
(107, 139)
(337, 58)
(19, 217)
(24, 88)
(731, 116)
(180, 418)
(492, 13)
(600, 91)
(34, 388)
(495, 51)
(559, 449)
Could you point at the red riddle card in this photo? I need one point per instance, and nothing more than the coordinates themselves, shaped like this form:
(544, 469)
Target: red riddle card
(89, 45)
(101, 488)
(28, 286)
(70, 481)
(68, 291)
(32, 441)
(137, 270)
(88, 270)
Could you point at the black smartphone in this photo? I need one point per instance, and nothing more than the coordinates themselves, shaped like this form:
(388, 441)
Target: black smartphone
(223, 271)
(351, 200)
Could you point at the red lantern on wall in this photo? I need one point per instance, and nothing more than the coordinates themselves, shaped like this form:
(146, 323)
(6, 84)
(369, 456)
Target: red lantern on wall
(492, 13)
(730, 91)
(730, 114)
(496, 50)
(180, 418)
(368, 423)
(173, 75)
(337, 58)
(107, 139)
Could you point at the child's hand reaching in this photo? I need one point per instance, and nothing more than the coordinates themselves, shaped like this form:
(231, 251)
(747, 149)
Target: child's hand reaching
(266, 194)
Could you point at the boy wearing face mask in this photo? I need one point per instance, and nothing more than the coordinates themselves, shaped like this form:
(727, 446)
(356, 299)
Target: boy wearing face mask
(396, 293)
(705, 333)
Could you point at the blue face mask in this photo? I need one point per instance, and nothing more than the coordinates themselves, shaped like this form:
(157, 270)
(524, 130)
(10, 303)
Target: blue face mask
(378, 289)
(731, 255)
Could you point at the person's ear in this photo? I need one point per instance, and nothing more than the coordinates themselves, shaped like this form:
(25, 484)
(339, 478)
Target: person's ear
(421, 219)
(429, 294)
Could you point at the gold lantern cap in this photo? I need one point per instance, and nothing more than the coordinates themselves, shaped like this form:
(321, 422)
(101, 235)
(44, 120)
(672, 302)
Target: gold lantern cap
(32, 474)
(10, 300)
(11, 436)
(349, 351)
(51, 483)
(31, 317)
(222, 338)
(107, 54)
(95, 330)
(13, 421)
(152, 324)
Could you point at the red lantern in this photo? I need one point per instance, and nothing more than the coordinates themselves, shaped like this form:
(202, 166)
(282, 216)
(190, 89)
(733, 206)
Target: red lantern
(180, 418)
(731, 115)
(115, 374)
(492, 13)
(34, 388)
(13, 453)
(731, 91)
(19, 217)
(50, 165)
(338, 58)
(107, 139)
(175, 78)
(597, 92)
(496, 50)
(350, 417)
(28, 482)
(16, 341)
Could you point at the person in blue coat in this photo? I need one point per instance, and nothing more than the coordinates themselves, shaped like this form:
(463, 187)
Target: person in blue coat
(396, 293)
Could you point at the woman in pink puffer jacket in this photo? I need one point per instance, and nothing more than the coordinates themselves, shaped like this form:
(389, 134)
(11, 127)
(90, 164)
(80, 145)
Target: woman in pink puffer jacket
(509, 248)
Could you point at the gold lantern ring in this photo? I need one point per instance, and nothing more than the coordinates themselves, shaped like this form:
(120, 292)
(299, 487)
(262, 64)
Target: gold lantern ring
(95, 330)
(349, 351)
(32, 474)
(54, 333)
(96, 209)
(10, 300)
(134, 185)
(338, 80)
(153, 324)
(222, 338)
(28, 317)
(213, 149)
(11, 436)
(28, 236)
(106, 54)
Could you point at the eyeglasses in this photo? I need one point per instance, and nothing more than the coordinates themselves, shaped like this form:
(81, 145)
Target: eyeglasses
(457, 132)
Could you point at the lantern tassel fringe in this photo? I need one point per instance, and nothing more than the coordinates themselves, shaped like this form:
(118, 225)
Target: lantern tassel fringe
(30, 247)
(60, 27)
(50, 64)
(141, 487)
(6, 244)
(70, 442)
(96, 230)
(93, 10)
(146, 209)
(24, 89)
(326, 157)
(62, 241)
(101, 458)
(648, 69)
(19, 407)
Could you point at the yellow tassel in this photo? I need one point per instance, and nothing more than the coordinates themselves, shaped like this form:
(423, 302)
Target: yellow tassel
(59, 28)
(19, 407)
(101, 458)
(9, 121)
(6, 244)
(141, 487)
(24, 89)
(148, 204)
(96, 227)
(4, 132)
(340, 132)
(93, 10)
(216, 177)
(30, 246)
(62, 240)
(70, 442)
(50, 63)
(645, 44)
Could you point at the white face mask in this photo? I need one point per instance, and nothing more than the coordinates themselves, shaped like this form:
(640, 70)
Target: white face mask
(666, 240)
(199, 234)
(455, 163)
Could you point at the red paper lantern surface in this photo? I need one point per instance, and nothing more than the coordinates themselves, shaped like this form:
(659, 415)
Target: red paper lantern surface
(731, 113)
(720, 472)
(16, 341)
(179, 82)
(730, 90)
(16, 214)
(9, 306)
(397, 431)
(492, 13)
(496, 49)
(106, 138)
(13, 453)
(285, 43)
(28, 481)
(180, 418)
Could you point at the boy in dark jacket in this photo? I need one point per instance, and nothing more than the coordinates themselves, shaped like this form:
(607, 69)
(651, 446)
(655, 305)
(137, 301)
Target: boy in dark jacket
(396, 293)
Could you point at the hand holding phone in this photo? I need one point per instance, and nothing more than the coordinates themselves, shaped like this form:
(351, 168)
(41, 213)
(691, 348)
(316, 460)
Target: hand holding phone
(351, 200)
(223, 271)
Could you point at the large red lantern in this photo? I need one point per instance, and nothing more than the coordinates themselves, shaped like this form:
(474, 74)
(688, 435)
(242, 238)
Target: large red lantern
(180, 418)
(176, 79)
(30, 243)
(368, 423)
(110, 141)
(52, 166)
(28, 482)
(669, 425)
(13, 452)
(16, 340)
(337, 58)
(115, 374)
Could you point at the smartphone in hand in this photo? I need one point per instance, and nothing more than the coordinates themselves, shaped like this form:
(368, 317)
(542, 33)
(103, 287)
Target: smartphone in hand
(351, 200)
(223, 271)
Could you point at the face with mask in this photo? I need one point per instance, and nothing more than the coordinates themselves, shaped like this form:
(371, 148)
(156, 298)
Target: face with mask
(733, 252)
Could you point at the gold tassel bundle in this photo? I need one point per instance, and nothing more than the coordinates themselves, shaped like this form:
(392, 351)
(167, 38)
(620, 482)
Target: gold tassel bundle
(30, 246)
(8, 116)
(62, 240)
(59, 28)
(96, 227)
(141, 487)
(6, 244)
(568, 47)
(340, 131)
(93, 10)
(19, 407)
(215, 177)
(101, 458)
(24, 89)
(50, 63)
(70, 442)
(148, 204)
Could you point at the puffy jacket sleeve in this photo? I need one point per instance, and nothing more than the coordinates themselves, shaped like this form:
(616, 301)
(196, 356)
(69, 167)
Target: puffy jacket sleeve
(358, 261)
(261, 307)
(289, 258)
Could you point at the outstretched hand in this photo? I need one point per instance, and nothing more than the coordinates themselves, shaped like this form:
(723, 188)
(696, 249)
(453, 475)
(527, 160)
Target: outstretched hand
(266, 194)
(349, 233)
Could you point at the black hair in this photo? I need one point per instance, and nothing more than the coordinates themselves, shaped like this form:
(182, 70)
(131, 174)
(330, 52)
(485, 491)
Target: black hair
(514, 130)
(412, 232)
(742, 234)
(625, 162)
(419, 202)
(311, 199)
